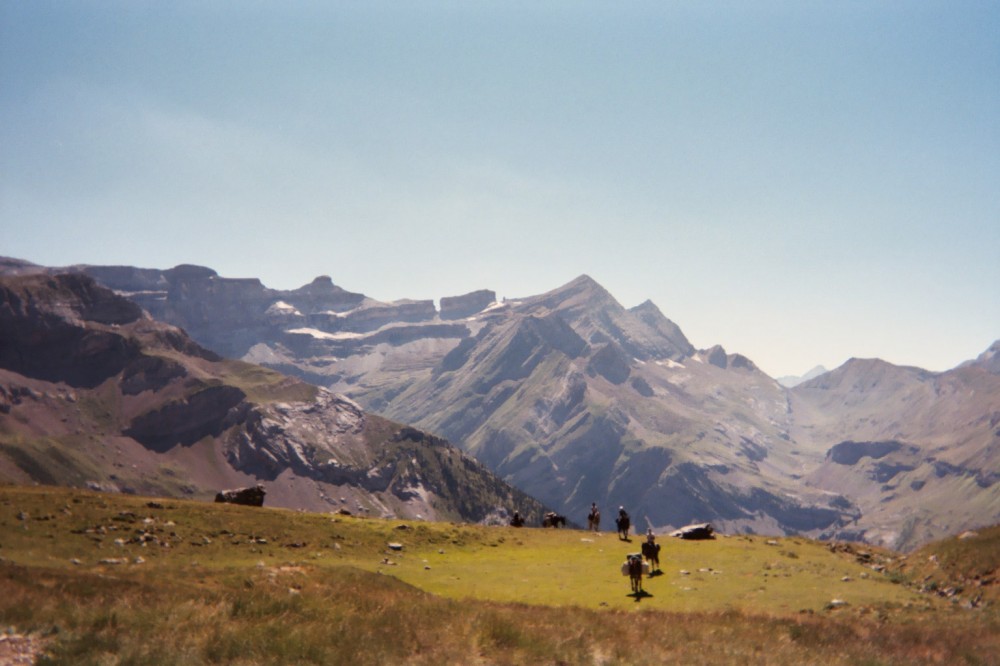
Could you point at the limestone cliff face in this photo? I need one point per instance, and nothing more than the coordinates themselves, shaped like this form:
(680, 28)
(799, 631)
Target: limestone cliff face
(459, 307)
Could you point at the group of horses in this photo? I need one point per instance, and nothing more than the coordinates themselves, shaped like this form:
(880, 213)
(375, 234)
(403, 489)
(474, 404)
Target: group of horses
(635, 564)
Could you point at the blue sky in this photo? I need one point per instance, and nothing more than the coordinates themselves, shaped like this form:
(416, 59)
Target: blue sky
(801, 182)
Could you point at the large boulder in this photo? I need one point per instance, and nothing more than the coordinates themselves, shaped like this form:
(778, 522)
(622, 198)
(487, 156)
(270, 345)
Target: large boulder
(695, 532)
(246, 496)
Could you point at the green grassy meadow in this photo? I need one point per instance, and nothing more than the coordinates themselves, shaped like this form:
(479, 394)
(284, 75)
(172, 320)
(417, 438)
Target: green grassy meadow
(118, 579)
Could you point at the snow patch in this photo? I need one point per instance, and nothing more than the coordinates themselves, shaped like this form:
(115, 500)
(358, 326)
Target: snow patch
(323, 335)
(282, 306)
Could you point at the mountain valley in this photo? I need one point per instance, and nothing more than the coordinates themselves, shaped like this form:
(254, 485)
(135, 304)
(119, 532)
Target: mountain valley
(574, 399)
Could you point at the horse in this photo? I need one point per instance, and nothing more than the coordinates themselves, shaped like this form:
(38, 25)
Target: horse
(635, 573)
(651, 551)
(553, 519)
(623, 524)
(594, 520)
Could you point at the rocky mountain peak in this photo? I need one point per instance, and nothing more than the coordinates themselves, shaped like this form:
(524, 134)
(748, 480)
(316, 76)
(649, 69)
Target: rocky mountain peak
(581, 293)
(989, 360)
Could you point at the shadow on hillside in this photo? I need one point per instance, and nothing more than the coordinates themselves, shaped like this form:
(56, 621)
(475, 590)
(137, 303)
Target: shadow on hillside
(640, 595)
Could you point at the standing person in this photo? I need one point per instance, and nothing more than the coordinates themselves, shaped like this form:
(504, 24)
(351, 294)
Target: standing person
(594, 518)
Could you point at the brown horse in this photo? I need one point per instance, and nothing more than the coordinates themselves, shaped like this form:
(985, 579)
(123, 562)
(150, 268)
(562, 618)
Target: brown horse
(594, 520)
(635, 573)
(651, 551)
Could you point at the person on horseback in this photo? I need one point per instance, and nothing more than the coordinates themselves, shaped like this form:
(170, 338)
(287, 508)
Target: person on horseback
(651, 551)
(623, 523)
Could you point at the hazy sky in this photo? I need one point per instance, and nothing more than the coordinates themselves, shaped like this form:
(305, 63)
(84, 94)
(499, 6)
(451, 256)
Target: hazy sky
(800, 182)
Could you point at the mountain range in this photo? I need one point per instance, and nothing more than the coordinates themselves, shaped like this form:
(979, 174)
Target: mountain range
(574, 399)
(94, 392)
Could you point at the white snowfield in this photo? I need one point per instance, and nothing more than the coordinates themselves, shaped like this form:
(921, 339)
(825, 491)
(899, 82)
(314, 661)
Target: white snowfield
(323, 335)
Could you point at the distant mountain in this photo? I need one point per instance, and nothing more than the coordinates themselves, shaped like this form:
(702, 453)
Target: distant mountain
(788, 381)
(576, 399)
(94, 392)
(919, 452)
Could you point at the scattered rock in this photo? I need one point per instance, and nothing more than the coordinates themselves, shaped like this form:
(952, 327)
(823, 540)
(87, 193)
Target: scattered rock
(18, 648)
(968, 535)
(395, 546)
(835, 603)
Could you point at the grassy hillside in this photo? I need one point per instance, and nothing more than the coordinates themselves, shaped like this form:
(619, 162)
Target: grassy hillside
(108, 579)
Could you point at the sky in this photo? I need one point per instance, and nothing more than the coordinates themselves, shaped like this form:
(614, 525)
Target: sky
(800, 182)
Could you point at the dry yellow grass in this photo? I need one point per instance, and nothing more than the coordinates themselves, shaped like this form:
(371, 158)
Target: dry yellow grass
(252, 586)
